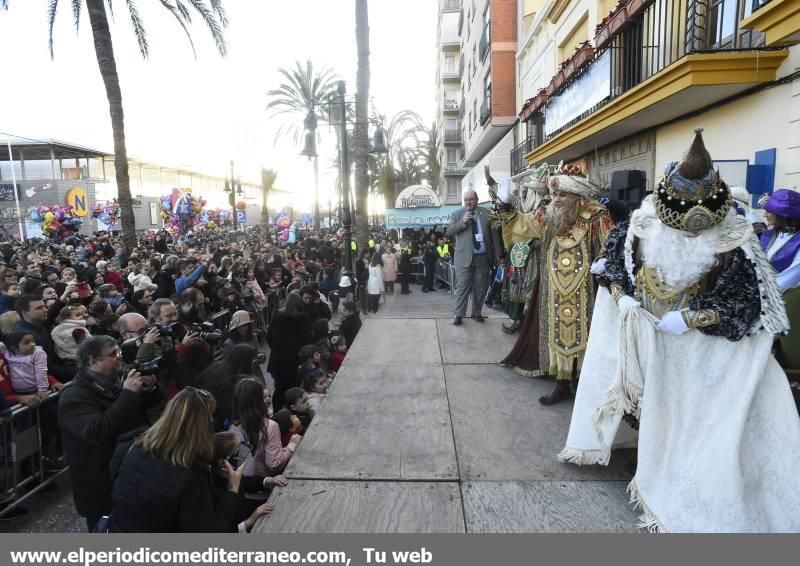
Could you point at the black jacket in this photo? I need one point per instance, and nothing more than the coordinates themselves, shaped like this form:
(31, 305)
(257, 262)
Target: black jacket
(91, 419)
(154, 496)
(349, 327)
(286, 335)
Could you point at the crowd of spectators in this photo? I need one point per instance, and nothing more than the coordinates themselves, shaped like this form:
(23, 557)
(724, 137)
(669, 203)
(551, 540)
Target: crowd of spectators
(175, 380)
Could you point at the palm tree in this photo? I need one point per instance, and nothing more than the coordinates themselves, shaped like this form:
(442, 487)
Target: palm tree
(212, 14)
(268, 177)
(303, 99)
(361, 137)
(404, 138)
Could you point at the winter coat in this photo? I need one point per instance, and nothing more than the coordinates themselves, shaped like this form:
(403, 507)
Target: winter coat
(286, 335)
(141, 282)
(270, 457)
(55, 366)
(7, 303)
(151, 495)
(375, 281)
(91, 417)
(115, 279)
(349, 328)
(389, 267)
(68, 336)
(28, 373)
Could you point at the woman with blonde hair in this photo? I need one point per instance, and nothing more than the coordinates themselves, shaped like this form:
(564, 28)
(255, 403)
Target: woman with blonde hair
(8, 321)
(165, 480)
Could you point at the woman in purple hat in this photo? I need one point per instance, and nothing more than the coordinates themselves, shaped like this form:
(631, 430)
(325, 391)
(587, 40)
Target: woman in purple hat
(782, 241)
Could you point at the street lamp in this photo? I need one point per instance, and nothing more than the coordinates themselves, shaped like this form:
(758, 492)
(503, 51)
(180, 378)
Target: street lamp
(310, 151)
(233, 187)
(378, 147)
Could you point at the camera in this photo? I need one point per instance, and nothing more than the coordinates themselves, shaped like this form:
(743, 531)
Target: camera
(149, 367)
(207, 332)
(163, 329)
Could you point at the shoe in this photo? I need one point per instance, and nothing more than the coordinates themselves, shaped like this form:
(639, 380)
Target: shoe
(457, 321)
(560, 392)
(15, 513)
(478, 318)
(510, 329)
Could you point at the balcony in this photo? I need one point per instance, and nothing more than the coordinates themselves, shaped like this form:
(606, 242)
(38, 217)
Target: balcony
(450, 76)
(453, 170)
(452, 136)
(778, 20)
(518, 162)
(483, 44)
(485, 112)
(667, 61)
(450, 105)
(449, 5)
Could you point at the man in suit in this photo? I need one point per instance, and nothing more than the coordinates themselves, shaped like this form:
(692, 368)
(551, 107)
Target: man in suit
(473, 256)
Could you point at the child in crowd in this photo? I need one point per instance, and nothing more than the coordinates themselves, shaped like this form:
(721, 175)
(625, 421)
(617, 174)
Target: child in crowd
(339, 344)
(110, 295)
(316, 385)
(140, 280)
(289, 426)
(70, 332)
(27, 364)
(309, 357)
(351, 322)
(296, 400)
(251, 423)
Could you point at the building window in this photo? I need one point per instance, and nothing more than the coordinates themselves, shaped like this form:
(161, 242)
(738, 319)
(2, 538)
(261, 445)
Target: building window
(452, 157)
(453, 188)
(450, 64)
(487, 90)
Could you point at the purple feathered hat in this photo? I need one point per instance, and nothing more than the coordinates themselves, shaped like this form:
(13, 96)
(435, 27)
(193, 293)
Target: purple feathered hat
(784, 202)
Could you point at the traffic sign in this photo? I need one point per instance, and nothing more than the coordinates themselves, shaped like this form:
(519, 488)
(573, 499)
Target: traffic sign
(241, 217)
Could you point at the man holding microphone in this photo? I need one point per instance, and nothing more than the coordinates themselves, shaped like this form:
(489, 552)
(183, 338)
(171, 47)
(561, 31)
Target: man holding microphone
(473, 256)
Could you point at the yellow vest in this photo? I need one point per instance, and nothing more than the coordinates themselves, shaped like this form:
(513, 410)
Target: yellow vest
(353, 245)
(444, 250)
(372, 243)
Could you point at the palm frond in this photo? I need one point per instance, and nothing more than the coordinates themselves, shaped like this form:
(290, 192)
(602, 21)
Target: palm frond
(110, 9)
(182, 19)
(216, 5)
(76, 12)
(52, 6)
(213, 25)
(184, 11)
(138, 28)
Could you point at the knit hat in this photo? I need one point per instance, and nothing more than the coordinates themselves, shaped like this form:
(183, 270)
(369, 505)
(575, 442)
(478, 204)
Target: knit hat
(101, 264)
(784, 202)
(345, 282)
(239, 318)
(692, 197)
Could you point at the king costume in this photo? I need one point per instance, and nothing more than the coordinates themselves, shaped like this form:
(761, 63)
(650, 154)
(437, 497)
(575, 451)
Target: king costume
(555, 331)
(681, 340)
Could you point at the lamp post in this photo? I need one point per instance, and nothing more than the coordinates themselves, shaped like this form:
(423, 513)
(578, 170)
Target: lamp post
(310, 151)
(233, 188)
(378, 148)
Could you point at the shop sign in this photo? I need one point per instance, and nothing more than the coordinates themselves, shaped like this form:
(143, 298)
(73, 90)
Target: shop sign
(30, 192)
(6, 191)
(417, 196)
(79, 200)
(588, 90)
(397, 218)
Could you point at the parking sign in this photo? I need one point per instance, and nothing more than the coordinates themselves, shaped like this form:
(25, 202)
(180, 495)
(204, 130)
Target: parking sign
(241, 217)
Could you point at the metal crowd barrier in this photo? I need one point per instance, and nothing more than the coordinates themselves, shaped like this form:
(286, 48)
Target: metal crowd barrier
(446, 273)
(17, 446)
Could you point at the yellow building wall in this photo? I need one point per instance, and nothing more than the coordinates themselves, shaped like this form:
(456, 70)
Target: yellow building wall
(738, 129)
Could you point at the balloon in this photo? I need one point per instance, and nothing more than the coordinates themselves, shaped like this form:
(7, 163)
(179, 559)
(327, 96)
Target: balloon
(240, 205)
(35, 216)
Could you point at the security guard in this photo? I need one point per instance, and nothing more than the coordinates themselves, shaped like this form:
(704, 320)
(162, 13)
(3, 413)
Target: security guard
(443, 249)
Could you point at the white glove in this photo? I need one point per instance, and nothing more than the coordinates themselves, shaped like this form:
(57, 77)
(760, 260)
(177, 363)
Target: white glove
(598, 267)
(673, 324)
(626, 303)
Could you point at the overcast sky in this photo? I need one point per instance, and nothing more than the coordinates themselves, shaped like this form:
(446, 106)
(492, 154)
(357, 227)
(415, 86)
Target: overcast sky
(201, 113)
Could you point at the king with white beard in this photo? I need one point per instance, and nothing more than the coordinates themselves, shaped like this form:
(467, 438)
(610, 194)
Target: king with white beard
(686, 351)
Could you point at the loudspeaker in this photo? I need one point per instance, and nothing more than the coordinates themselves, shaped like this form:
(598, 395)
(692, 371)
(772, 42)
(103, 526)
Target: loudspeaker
(628, 186)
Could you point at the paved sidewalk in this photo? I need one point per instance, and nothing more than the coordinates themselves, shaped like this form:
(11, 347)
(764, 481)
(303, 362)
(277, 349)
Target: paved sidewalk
(422, 431)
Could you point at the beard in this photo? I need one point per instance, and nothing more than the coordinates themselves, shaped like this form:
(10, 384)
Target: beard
(560, 218)
(681, 260)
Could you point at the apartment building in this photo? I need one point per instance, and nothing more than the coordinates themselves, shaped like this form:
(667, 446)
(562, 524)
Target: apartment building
(617, 88)
(488, 32)
(448, 102)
